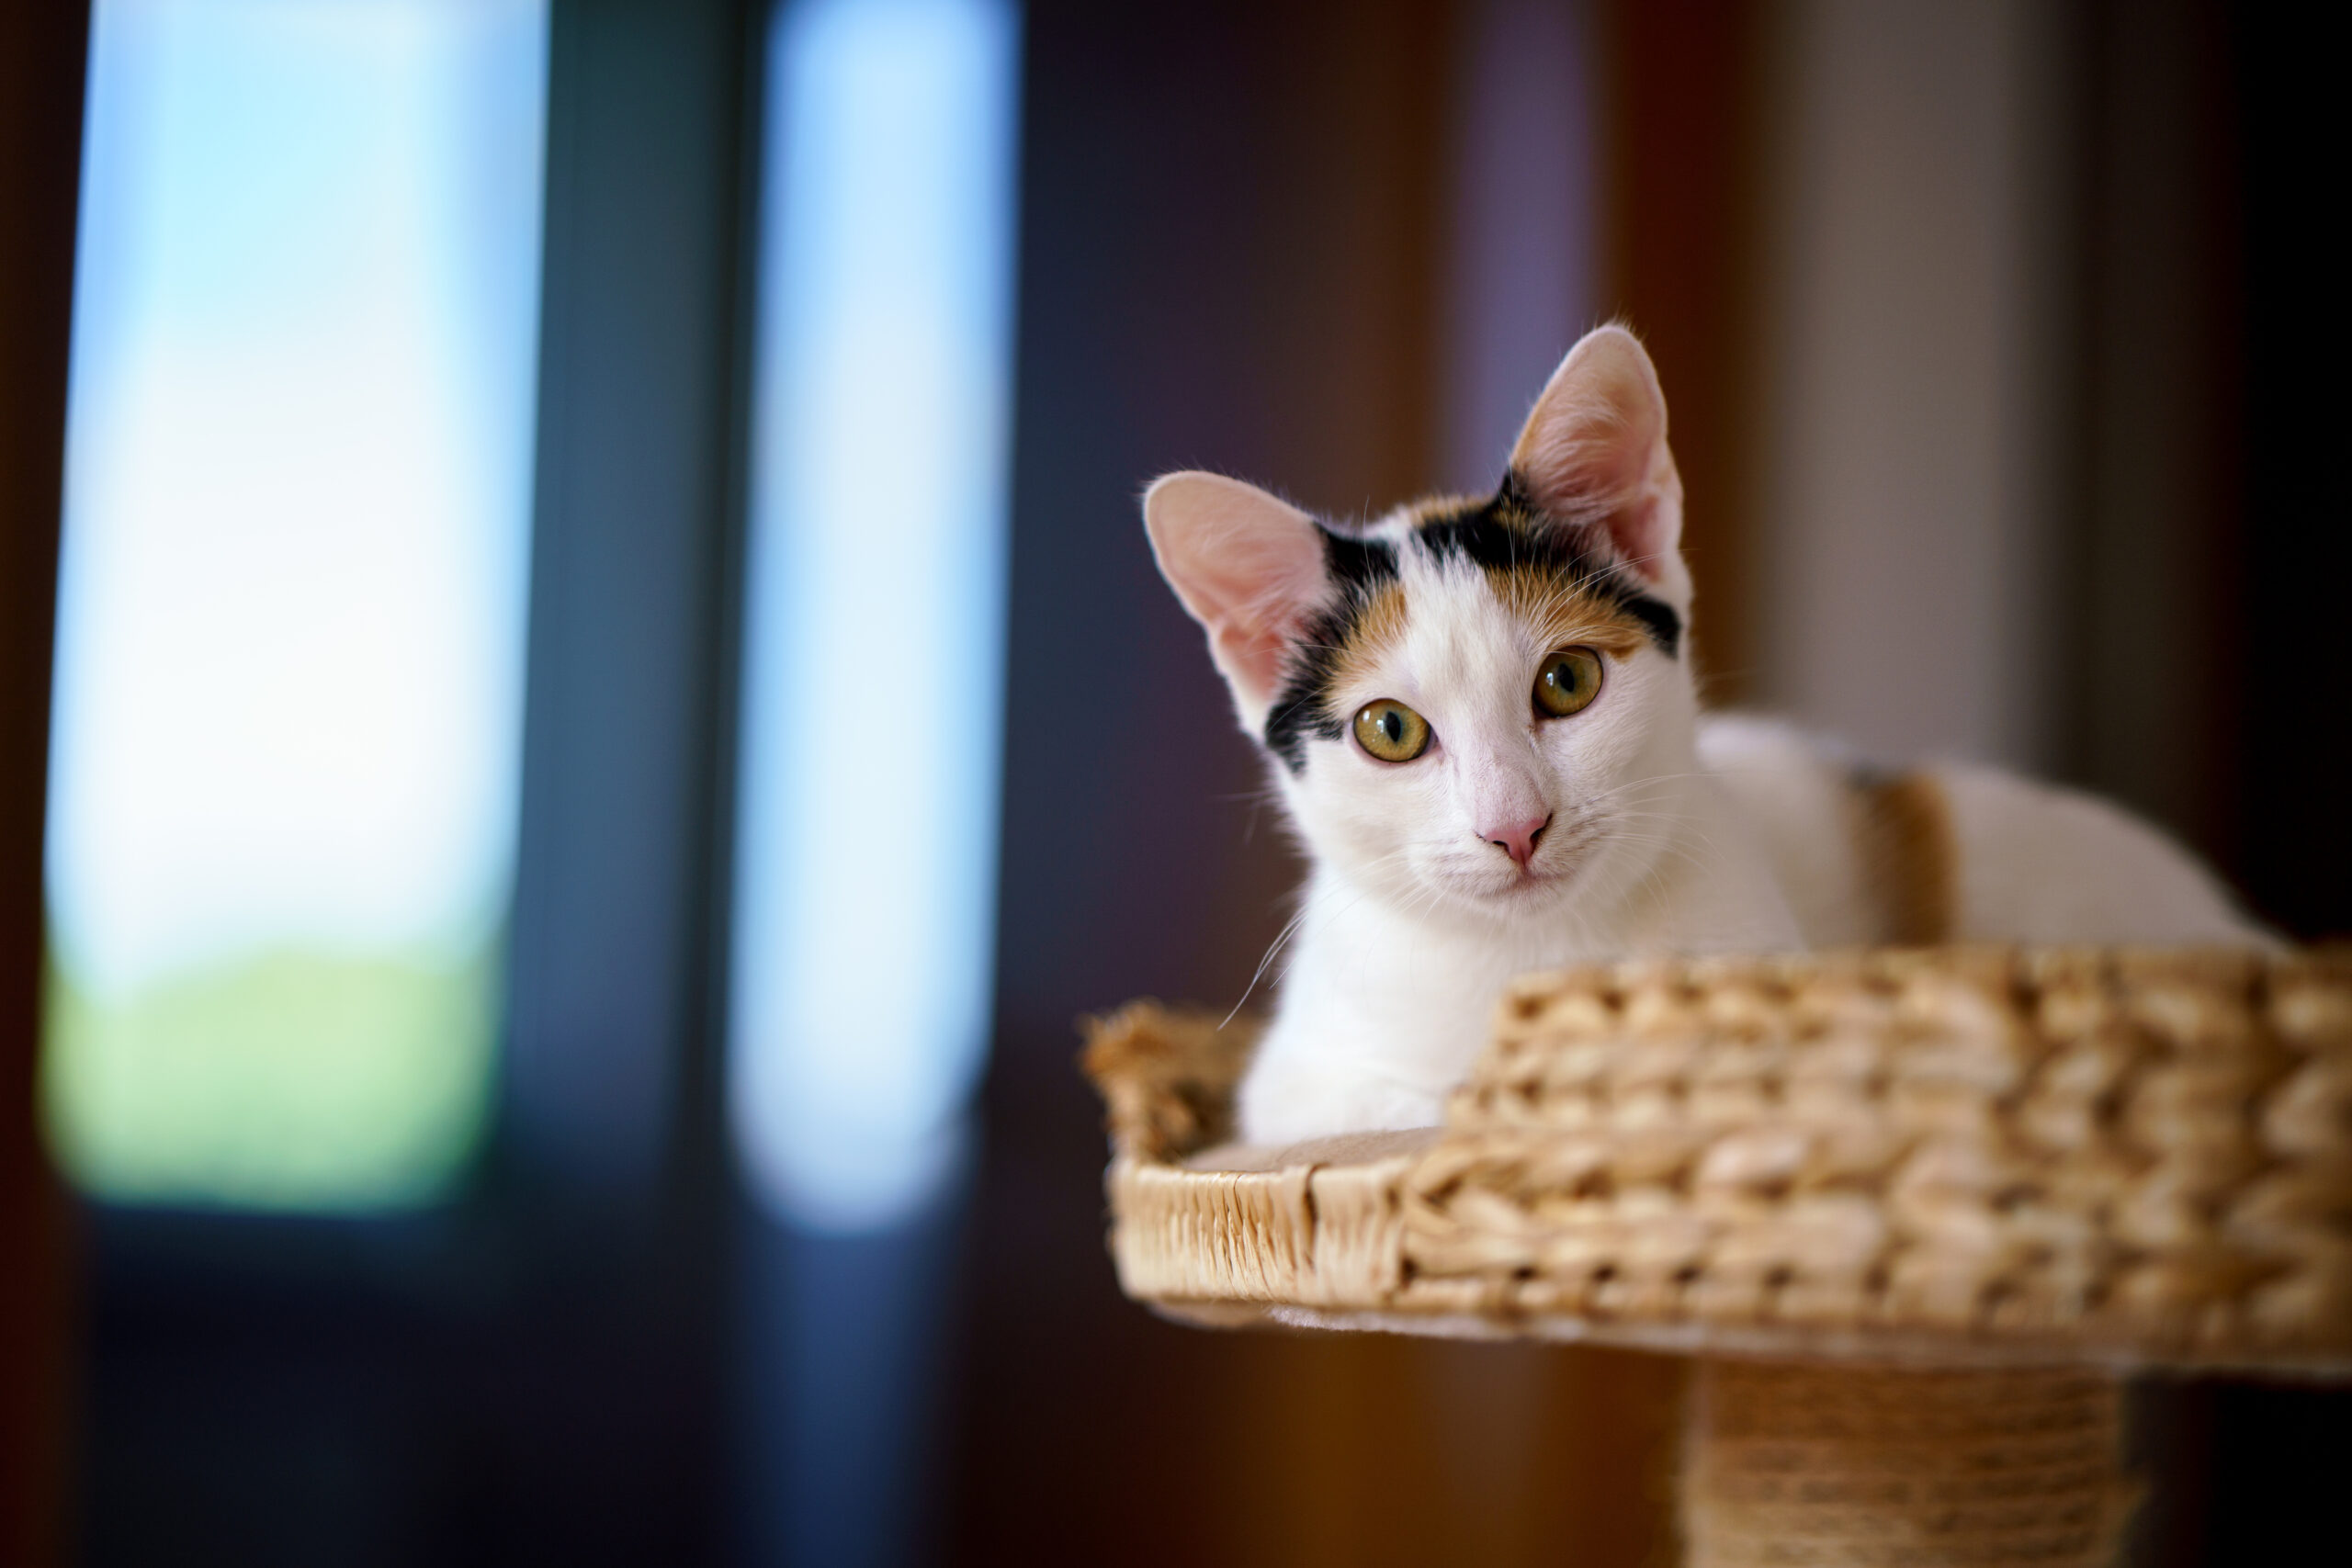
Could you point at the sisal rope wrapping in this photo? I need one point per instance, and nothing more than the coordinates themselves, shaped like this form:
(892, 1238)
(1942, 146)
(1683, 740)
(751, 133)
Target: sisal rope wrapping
(1864, 1467)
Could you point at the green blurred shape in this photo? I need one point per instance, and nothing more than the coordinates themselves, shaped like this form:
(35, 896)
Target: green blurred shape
(290, 1080)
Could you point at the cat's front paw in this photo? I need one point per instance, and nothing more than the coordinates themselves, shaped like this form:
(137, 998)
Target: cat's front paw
(1289, 1102)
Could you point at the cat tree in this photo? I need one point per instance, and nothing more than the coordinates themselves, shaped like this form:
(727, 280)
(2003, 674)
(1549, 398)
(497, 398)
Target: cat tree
(1916, 1214)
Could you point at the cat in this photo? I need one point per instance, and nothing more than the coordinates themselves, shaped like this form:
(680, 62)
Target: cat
(1482, 721)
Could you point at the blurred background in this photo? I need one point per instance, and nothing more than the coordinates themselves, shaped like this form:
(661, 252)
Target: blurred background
(586, 706)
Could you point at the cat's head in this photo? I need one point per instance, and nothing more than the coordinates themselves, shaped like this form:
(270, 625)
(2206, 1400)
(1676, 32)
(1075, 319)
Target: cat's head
(1468, 702)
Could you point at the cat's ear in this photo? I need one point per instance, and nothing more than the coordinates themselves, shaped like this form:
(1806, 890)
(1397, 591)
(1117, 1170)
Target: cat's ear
(1593, 457)
(1249, 566)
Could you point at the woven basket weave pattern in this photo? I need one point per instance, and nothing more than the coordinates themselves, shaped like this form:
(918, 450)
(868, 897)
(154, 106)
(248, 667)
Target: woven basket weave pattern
(2073, 1143)
(2145, 1154)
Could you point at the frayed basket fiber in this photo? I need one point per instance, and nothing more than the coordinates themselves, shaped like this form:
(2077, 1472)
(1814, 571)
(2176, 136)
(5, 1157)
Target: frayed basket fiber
(1914, 1211)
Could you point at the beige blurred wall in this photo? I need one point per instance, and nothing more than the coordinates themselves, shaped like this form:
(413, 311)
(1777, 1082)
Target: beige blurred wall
(1909, 406)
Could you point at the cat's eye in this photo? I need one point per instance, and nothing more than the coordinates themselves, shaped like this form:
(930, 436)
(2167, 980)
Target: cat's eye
(1566, 681)
(1391, 731)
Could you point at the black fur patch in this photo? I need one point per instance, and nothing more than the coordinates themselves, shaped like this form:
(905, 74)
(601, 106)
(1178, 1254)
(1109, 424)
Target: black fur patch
(1658, 619)
(1361, 568)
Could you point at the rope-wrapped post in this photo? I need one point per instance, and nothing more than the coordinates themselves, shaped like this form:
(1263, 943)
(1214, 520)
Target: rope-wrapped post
(1874, 1467)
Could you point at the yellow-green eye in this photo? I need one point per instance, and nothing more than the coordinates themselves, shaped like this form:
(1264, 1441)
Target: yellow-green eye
(1566, 681)
(1391, 731)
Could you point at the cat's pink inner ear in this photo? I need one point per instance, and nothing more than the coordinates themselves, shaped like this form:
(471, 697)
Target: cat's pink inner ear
(1593, 454)
(1250, 567)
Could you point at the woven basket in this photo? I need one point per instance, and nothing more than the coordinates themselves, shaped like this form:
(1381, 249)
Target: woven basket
(1914, 1161)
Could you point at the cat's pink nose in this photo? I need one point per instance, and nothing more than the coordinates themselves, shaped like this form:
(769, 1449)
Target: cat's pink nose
(1518, 840)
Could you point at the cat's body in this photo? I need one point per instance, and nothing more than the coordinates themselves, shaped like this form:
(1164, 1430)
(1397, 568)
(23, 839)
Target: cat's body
(1526, 780)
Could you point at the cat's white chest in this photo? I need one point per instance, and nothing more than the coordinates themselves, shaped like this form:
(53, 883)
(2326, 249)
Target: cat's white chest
(1377, 1018)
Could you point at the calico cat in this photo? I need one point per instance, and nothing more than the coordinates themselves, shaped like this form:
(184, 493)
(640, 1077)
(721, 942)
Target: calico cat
(1481, 717)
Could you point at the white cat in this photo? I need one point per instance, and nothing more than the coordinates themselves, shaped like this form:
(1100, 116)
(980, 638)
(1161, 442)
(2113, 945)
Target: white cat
(1481, 717)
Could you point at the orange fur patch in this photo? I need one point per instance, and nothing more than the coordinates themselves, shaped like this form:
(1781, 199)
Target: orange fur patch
(1903, 831)
(1566, 616)
(1378, 627)
(1432, 508)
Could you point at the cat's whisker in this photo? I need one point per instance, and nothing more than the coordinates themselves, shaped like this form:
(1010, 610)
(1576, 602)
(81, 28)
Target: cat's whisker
(1279, 941)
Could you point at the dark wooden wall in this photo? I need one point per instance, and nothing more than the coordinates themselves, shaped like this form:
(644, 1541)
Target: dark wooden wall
(41, 52)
